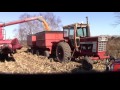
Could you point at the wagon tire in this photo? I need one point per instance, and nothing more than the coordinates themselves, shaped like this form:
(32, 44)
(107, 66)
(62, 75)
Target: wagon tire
(46, 54)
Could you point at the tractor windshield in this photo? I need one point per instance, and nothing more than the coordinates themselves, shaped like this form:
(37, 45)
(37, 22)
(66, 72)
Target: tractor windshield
(81, 32)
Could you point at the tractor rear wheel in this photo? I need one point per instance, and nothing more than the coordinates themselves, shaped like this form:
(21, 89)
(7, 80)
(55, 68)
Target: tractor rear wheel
(63, 52)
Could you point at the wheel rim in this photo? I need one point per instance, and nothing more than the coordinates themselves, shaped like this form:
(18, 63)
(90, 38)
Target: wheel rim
(60, 53)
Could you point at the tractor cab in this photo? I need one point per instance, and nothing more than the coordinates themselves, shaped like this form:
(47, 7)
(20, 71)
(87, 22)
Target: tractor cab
(74, 32)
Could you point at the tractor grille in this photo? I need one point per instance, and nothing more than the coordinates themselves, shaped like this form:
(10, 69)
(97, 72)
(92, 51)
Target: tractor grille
(102, 46)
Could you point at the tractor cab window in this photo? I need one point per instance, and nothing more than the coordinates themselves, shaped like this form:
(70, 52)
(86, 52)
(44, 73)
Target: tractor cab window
(71, 36)
(71, 33)
(81, 32)
(65, 32)
(68, 32)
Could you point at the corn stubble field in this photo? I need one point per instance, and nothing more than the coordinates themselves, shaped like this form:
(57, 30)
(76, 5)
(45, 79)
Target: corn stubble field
(26, 63)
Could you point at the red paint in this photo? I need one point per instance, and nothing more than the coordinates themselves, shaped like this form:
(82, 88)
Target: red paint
(5, 42)
(95, 55)
(88, 39)
(1, 33)
(89, 52)
(31, 40)
(94, 58)
(18, 21)
(15, 44)
(116, 67)
(102, 55)
(45, 38)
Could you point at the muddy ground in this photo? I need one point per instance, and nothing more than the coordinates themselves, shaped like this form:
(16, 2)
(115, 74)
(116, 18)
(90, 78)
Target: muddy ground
(25, 63)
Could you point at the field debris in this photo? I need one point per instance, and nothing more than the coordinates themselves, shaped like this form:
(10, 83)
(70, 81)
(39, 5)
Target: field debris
(25, 63)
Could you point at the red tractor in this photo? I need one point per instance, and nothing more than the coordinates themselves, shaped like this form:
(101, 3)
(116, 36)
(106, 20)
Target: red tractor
(9, 46)
(73, 42)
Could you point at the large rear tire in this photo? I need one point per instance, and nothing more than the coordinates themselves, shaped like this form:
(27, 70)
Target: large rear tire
(63, 52)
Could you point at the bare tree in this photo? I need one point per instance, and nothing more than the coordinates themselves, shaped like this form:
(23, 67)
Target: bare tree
(35, 26)
(117, 16)
(53, 21)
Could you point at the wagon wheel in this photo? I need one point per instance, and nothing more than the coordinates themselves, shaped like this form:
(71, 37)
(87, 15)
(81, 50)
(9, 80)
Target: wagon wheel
(33, 51)
(46, 54)
(37, 52)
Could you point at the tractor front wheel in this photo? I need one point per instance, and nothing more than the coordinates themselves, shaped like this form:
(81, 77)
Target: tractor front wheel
(87, 63)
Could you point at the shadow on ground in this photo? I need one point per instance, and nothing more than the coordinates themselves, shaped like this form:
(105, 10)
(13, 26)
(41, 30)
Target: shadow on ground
(80, 69)
(85, 67)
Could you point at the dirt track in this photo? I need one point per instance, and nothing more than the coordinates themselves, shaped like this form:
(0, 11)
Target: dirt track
(25, 63)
